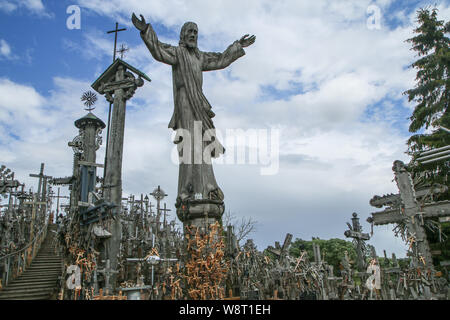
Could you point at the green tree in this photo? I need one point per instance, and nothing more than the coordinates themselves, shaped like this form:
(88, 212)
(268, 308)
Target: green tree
(432, 96)
(333, 250)
(431, 93)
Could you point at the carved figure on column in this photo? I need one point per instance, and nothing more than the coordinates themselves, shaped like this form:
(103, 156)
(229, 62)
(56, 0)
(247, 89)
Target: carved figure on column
(198, 191)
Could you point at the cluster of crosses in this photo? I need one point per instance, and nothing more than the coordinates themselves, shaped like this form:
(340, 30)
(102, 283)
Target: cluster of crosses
(116, 248)
(24, 217)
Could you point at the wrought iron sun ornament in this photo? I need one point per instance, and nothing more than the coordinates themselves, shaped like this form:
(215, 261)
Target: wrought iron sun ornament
(89, 99)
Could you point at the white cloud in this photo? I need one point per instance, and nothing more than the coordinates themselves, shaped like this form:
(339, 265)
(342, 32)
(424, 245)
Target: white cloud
(314, 72)
(34, 6)
(5, 49)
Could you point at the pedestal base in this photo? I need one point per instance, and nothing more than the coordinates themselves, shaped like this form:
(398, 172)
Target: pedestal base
(199, 212)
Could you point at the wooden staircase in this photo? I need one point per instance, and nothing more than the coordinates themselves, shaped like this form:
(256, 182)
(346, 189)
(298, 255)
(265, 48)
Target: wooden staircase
(40, 280)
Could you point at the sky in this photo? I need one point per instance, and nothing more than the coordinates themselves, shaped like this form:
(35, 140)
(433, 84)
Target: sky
(323, 84)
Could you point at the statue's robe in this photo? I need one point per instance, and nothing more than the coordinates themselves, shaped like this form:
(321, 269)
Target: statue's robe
(191, 105)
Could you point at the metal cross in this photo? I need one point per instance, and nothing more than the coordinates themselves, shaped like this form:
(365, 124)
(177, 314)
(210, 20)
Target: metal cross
(158, 194)
(355, 232)
(115, 38)
(122, 50)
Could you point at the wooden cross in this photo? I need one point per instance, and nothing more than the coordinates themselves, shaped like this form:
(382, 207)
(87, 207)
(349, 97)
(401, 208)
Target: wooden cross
(107, 272)
(355, 232)
(280, 252)
(42, 182)
(115, 38)
(34, 203)
(165, 210)
(57, 200)
(316, 251)
(411, 213)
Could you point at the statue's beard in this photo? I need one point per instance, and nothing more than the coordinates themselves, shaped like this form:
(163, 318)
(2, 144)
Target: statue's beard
(191, 44)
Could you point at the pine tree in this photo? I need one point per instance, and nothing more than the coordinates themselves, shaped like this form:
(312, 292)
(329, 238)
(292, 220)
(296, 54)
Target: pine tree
(432, 91)
(432, 96)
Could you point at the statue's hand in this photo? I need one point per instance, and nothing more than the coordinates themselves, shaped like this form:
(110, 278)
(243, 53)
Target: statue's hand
(140, 24)
(245, 41)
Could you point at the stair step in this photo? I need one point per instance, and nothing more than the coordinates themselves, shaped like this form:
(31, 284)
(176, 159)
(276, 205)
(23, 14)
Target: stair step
(27, 290)
(36, 278)
(44, 294)
(45, 265)
(41, 274)
(30, 285)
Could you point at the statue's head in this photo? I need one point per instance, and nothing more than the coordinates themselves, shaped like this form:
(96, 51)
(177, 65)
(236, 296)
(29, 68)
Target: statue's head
(189, 35)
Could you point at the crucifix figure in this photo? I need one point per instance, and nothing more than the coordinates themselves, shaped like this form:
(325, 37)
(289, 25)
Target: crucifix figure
(199, 197)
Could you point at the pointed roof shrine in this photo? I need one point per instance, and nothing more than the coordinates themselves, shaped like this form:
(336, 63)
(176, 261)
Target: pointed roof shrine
(90, 118)
(111, 71)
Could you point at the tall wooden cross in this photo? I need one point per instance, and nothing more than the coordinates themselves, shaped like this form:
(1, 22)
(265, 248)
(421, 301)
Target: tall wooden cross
(42, 182)
(115, 31)
(34, 203)
(316, 251)
(355, 232)
(412, 213)
(165, 210)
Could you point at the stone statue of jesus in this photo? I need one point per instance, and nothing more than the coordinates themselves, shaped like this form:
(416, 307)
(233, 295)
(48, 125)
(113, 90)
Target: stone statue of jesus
(198, 192)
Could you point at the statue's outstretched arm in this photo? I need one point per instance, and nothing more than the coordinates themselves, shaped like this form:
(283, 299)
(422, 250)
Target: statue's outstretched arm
(160, 51)
(217, 61)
